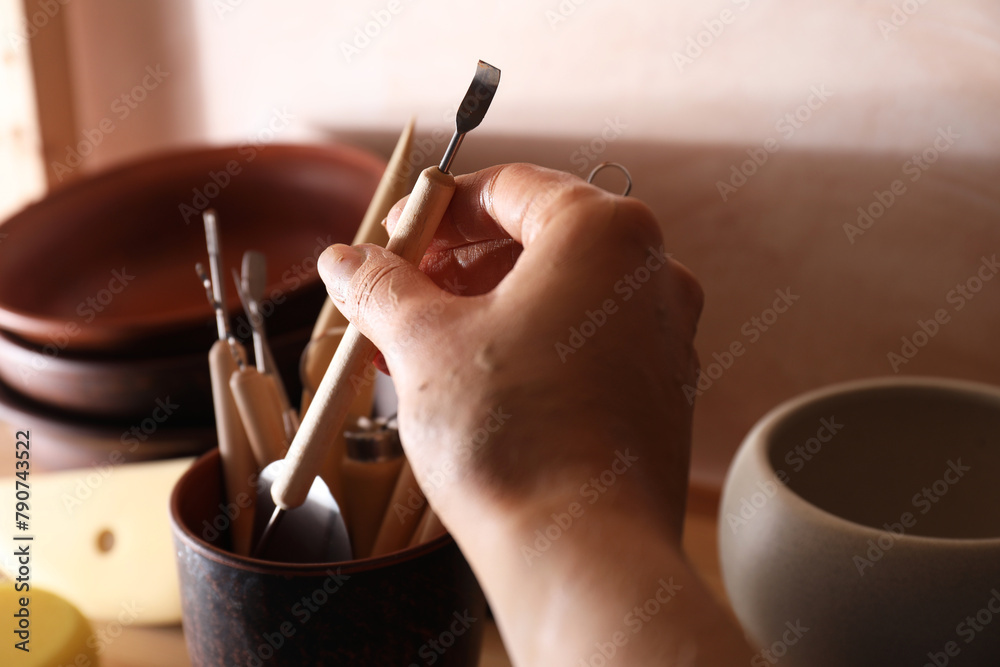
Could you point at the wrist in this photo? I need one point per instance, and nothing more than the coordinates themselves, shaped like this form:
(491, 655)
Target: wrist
(540, 573)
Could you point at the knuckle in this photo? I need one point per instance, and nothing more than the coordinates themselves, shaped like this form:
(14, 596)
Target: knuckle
(371, 287)
(636, 221)
(693, 293)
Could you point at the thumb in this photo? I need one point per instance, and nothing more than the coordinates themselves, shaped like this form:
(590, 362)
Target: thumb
(379, 293)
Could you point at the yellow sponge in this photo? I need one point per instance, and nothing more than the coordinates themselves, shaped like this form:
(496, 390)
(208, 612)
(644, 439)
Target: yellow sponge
(54, 631)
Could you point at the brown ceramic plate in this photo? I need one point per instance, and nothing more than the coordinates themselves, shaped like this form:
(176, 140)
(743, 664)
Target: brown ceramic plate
(61, 442)
(118, 389)
(107, 263)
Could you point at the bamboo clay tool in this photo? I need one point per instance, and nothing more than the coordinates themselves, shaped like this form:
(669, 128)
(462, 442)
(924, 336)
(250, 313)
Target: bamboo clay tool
(226, 357)
(403, 514)
(417, 224)
(331, 324)
(390, 190)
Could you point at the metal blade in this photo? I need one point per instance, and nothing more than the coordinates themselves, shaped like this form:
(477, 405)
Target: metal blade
(473, 108)
(478, 98)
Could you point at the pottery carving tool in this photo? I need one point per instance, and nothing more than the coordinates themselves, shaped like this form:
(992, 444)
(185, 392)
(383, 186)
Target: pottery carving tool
(402, 515)
(414, 231)
(390, 190)
(370, 469)
(252, 286)
(258, 401)
(331, 324)
(225, 357)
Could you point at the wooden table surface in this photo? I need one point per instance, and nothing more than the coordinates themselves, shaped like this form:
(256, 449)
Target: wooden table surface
(164, 647)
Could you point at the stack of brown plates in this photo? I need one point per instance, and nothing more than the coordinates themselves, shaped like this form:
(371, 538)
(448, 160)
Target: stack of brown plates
(104, 325)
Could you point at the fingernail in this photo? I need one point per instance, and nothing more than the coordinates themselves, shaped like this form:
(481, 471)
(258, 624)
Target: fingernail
(336, 266)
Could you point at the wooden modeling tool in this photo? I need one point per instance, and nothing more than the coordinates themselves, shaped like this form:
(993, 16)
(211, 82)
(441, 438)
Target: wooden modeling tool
(390, 190)
(258, 398)
(226, 357)
(402, 516)
(414, 231)
(252, 286)
(371, 467)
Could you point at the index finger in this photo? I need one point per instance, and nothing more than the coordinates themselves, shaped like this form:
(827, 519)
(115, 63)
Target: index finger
(513, 200)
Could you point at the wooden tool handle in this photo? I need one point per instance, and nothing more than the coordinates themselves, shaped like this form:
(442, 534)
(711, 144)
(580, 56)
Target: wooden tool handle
(238, 463)
(402, 516)
(430, 527)
(390, 190)
(368, 487)
(328, 410)
(256, 396)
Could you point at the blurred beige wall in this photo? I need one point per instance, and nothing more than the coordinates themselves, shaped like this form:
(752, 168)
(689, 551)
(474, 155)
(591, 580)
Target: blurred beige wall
(830, 102)
(21, 173)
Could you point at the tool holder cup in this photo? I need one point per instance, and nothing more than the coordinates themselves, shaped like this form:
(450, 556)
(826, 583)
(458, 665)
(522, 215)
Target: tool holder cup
(418, 606)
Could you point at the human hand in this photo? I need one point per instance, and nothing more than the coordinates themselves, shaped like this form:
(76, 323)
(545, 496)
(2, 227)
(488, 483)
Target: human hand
(564, 352)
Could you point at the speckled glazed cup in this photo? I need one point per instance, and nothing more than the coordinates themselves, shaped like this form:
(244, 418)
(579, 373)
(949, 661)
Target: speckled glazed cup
(417, 607)
(860, 525)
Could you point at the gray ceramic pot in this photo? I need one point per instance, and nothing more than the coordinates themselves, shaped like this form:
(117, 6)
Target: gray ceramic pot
(860, 525)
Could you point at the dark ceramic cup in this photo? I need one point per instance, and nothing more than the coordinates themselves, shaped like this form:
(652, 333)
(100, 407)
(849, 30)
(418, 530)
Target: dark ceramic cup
(421, 606)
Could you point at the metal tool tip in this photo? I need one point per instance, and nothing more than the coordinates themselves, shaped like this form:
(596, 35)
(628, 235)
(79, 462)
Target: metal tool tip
(272, 525)
(254, 274)
(473, 108)
(211, 231)
(478, 98)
